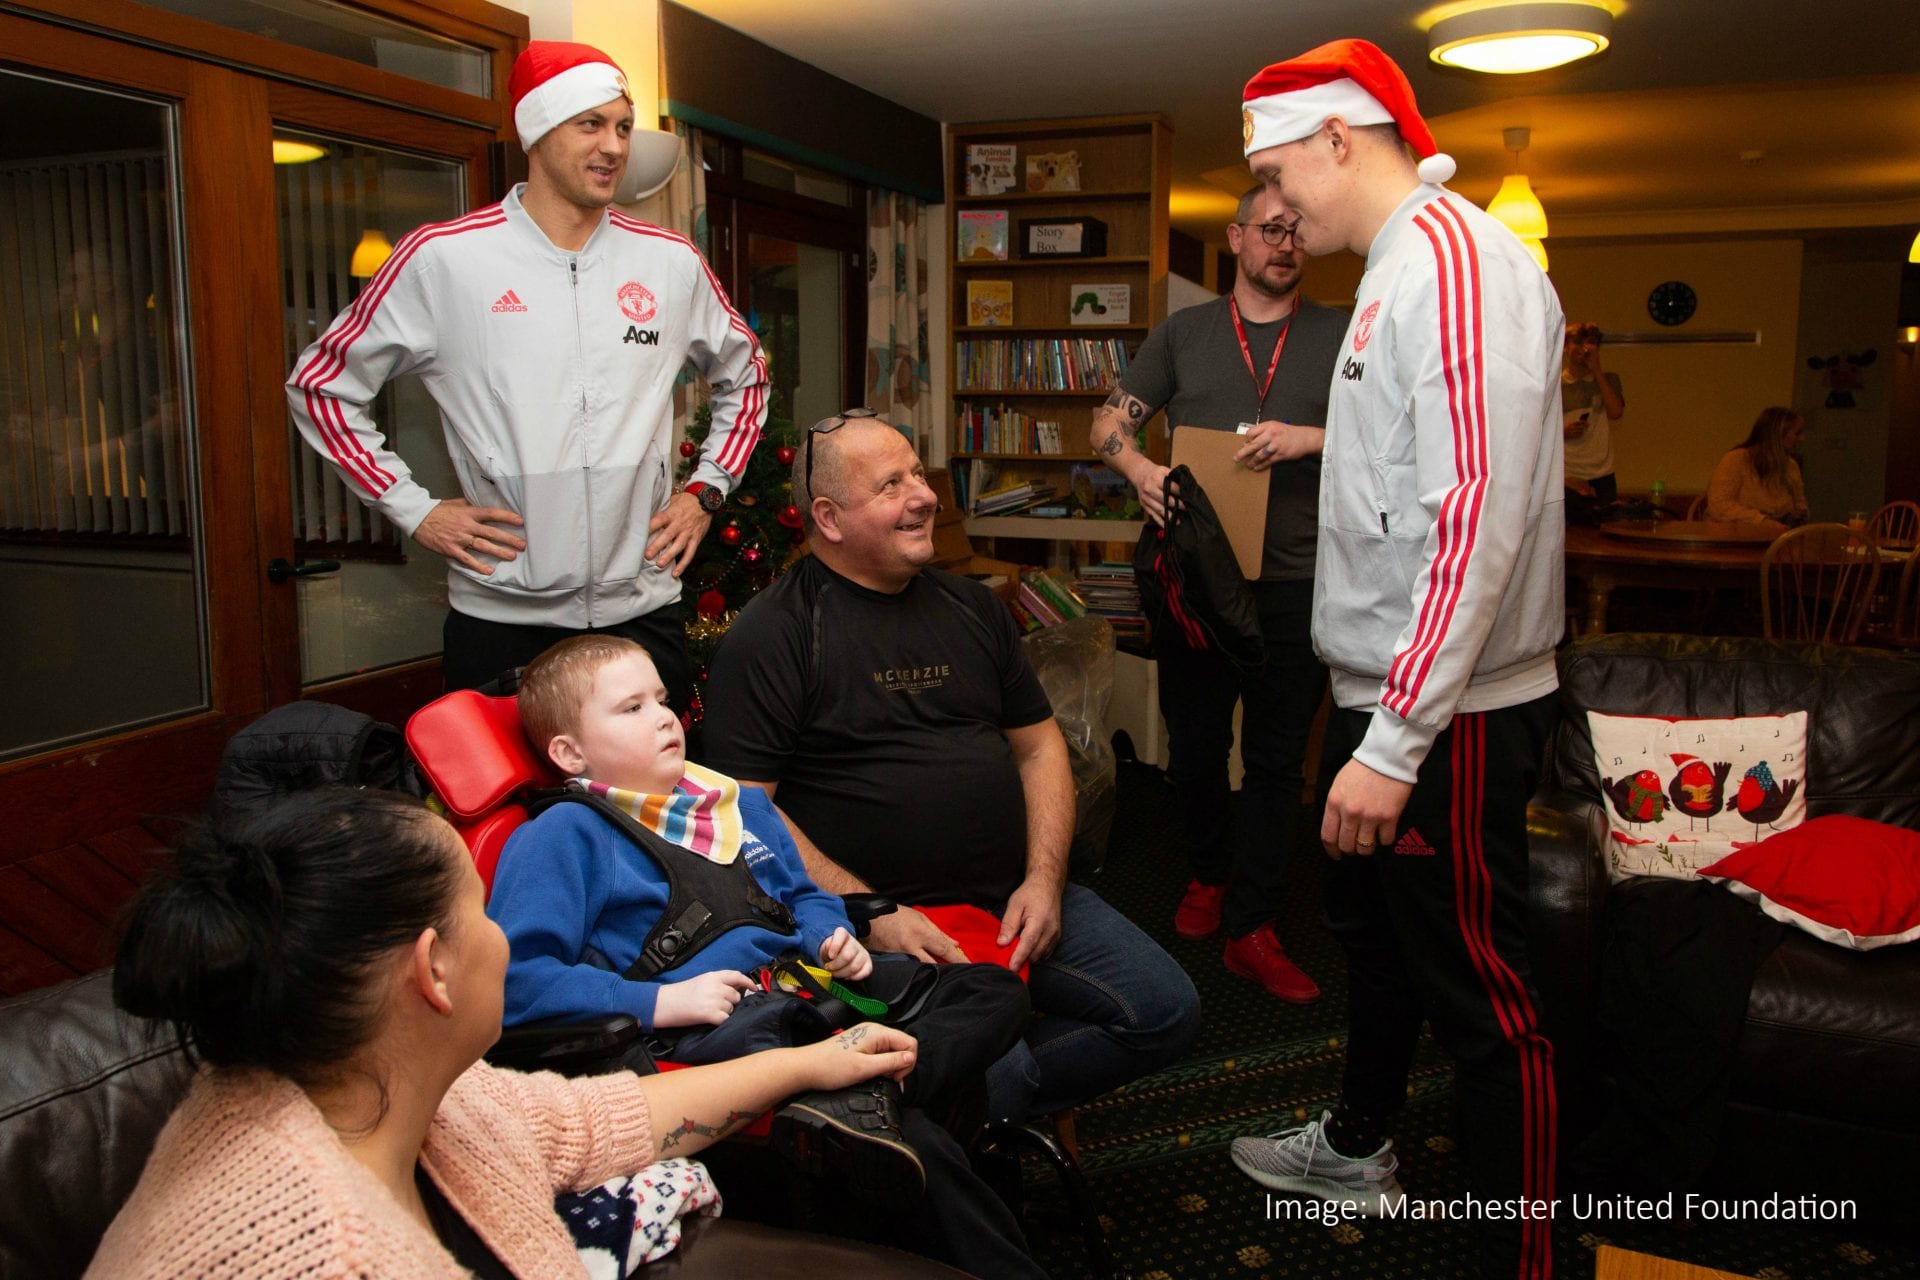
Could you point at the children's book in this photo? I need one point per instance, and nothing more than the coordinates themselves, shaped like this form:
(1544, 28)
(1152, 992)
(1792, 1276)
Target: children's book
(1100, 303)
(989, 302)
(990, 168)
(982, 235)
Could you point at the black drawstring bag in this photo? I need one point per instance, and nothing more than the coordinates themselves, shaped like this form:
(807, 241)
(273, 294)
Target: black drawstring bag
(1190, 580)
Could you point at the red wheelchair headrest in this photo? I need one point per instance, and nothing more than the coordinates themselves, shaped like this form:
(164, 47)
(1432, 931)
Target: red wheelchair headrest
(474, 752)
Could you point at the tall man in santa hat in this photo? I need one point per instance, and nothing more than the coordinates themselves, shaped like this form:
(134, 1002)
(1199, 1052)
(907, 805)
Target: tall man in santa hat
(1436, 608)
(549, 329)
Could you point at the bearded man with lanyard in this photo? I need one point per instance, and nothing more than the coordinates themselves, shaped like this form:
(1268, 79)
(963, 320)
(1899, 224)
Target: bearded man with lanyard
(1258, 361)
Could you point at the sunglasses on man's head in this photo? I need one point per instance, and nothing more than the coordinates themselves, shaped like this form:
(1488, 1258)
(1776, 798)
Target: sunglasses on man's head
(826, 427)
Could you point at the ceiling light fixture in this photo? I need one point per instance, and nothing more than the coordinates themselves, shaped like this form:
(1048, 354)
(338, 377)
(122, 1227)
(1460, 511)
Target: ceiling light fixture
(1538, 250)
(1514, 203)
(1913, 254)
(1512, 39)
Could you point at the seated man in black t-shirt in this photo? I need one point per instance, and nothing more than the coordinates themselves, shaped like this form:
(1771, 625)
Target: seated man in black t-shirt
(891, 711)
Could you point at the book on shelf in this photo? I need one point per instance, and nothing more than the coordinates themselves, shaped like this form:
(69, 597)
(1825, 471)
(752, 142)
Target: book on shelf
(982, 235)
(1100, 303)
(1057, 590)
(1039, 364)
(989, 302)
(1004, 502)
(1111, 591)
(983, 428)
(1053, 171)
(1036, 605)
(990, 168)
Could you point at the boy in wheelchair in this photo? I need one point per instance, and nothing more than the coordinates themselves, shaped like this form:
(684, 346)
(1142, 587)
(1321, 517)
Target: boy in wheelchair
(668, 892)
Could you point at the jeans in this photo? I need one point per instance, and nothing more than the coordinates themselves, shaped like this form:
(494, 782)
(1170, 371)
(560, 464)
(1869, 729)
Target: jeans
(1112, 1007)
(1244, 841)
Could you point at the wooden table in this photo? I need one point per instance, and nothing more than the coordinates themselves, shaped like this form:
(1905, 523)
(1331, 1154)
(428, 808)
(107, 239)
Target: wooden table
(1611, 1262)
(1667, 553)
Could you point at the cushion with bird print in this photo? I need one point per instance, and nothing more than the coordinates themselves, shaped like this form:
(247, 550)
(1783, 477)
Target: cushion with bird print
(1681, 794)
(1847, 880)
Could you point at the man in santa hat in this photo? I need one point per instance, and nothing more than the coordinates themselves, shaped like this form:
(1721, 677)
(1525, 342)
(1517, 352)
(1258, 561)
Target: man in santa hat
(550, 330)
(1437, 607)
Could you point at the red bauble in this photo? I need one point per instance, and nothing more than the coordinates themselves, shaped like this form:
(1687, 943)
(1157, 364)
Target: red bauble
(753, 555)
(712, 604)
(731, 535)
(785, 454)
(790, 517)
(688, 448)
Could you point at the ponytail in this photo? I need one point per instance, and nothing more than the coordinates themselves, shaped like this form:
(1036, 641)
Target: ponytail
(257, 945)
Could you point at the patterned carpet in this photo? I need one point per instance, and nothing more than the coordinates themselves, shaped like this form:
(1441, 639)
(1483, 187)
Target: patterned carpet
(1174, 1206)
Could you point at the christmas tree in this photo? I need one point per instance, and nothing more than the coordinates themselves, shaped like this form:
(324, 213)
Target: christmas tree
(752, 539)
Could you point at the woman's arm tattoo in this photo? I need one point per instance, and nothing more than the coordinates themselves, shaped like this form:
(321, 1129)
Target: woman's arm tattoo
(691, 1128)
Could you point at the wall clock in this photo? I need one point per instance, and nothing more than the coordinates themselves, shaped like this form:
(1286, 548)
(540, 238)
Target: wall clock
(1672, 302)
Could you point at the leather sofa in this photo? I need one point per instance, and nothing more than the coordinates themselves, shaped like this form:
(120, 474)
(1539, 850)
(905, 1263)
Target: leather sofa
(85, 1089)
(1824, 1092)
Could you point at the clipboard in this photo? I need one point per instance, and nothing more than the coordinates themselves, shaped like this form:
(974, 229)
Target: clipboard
(1239, 496)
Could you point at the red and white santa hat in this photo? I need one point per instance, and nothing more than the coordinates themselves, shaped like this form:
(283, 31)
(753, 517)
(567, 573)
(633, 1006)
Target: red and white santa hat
(555, 80)
(1351, 79)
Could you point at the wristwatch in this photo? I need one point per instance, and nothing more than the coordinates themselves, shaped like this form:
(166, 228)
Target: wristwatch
(709, 498)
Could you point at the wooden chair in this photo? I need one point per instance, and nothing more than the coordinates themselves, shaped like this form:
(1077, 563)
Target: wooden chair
(1896, 525)
(1697, 509)
(1904, 629)
(1817, 582)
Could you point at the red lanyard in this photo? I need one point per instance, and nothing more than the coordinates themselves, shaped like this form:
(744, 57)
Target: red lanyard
(1246, 353)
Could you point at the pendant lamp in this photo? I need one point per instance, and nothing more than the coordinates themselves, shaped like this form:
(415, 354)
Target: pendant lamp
(1515, 204)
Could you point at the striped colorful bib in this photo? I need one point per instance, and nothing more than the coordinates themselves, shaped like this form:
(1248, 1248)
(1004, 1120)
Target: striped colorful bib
(702, 813)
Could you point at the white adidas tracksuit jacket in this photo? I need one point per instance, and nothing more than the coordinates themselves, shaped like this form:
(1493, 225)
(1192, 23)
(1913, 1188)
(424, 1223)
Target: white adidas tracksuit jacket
(1440, 582)
(553, 372)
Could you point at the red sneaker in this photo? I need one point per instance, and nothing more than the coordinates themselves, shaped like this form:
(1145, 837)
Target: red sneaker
(1260, 956)
(1199, 912)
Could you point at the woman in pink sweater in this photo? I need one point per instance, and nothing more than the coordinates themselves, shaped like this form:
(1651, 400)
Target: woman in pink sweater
(337, 973)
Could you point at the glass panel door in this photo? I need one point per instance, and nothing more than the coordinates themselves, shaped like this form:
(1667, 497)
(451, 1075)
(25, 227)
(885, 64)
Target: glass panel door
(343, 207)
(795, 305)
(101, 582)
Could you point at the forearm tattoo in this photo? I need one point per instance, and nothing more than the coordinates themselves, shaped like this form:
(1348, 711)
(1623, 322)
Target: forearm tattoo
(691, 1128)
(1133, 411)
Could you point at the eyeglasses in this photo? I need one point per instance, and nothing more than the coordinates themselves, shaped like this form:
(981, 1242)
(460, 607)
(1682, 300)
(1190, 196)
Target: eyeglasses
(1274, 233)
(826, 427)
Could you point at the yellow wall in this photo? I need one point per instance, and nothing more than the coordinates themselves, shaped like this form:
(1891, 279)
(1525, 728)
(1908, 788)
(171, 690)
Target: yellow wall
(628, 31)
(1687, 405)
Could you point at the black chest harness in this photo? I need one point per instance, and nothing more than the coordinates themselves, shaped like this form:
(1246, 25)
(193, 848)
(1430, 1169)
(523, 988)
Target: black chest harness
(704, 898)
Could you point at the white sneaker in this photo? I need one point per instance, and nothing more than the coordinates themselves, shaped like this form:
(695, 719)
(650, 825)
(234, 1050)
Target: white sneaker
(1300, 1161)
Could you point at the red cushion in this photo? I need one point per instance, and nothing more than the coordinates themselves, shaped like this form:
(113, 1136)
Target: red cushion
(1847, 880)
(486, 837)
(977, 932)
(474, 752)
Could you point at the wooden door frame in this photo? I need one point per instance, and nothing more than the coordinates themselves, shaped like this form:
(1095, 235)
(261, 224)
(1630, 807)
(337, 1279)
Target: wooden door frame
(739, 205)
(57, 798)
(389, 693)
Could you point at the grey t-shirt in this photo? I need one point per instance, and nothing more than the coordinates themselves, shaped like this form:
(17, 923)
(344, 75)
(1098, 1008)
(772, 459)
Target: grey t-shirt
(1192, 366)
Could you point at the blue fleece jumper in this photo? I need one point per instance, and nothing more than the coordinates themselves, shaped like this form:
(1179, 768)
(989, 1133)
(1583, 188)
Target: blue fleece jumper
(577, 899)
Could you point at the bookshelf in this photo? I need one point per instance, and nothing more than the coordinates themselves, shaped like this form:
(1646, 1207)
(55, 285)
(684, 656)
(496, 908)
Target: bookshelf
(1063, 370)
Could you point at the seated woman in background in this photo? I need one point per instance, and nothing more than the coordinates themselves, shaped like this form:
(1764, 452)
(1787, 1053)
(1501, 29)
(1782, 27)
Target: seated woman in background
(1760, 478)
(335, 968)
